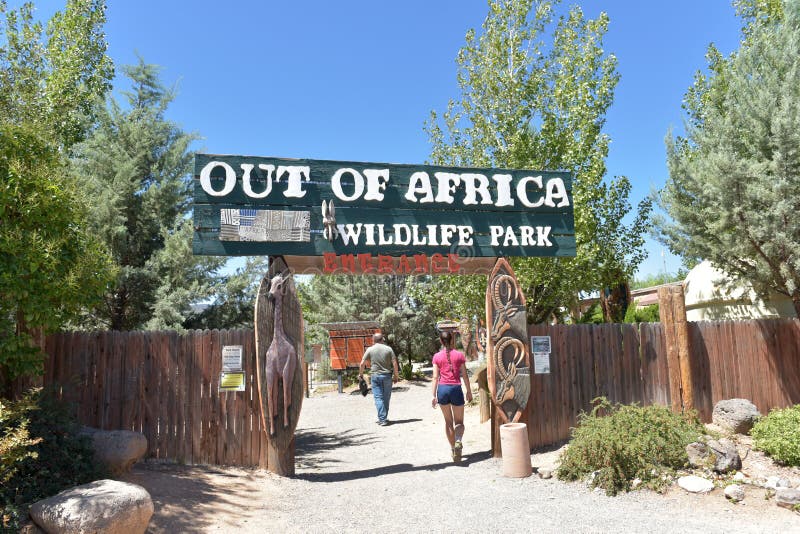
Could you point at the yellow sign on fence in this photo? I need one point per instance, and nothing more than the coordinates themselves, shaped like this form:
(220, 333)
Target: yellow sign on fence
(231, 382)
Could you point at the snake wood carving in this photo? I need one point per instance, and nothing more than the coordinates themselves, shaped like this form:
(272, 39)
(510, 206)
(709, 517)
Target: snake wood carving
(509, 358)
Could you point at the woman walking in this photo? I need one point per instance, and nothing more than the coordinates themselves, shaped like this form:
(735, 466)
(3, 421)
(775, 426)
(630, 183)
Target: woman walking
(449, 369)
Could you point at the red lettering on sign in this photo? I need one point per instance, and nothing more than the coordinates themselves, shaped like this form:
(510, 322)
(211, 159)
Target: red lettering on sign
(421, 261)
(404, 265)
(366, 263)
(438, 264)
(385, 264)
(330, 262)
(348, 263)
(453, 263)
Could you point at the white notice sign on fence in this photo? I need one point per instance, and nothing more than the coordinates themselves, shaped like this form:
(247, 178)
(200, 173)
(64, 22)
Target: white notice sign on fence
(541, 363)
(231, 358)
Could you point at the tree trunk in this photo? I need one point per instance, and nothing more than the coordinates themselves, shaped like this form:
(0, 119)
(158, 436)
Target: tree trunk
(614, 302)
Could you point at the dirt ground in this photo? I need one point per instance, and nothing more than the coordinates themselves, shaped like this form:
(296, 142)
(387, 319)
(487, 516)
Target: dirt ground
(354, 476)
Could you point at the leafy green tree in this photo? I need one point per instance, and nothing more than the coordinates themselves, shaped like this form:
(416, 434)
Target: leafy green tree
(136, 166)
(535, 89)
(50, 79)
(734, 188)
(49, 265)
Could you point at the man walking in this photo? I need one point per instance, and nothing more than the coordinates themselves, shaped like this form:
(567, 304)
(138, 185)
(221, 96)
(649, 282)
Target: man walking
(383, 372)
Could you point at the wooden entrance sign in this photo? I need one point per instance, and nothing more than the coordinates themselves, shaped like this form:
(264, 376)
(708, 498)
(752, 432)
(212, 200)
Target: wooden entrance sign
(328, 217)
(508, 356)
(279, 369)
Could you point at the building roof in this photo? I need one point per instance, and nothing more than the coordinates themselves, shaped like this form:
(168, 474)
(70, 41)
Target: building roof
(355, 325)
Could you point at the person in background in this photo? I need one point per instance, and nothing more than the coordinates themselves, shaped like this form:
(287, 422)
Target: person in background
(449, 370)
(384, 372)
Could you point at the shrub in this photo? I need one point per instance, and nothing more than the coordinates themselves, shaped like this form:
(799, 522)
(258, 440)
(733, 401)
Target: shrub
(648, 314)
(629, 442)
(407, 372)
(40, 454)
(778, 434)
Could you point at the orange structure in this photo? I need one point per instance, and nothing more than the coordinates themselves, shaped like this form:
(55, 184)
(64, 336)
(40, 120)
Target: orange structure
(348, 341)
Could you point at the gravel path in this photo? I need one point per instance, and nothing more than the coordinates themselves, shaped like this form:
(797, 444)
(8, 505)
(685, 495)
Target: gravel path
(355, 476)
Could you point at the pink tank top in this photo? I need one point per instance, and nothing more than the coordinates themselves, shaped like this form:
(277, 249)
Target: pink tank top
(449, 374)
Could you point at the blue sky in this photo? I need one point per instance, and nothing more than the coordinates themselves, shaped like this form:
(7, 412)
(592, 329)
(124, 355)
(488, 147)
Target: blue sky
(355, 80)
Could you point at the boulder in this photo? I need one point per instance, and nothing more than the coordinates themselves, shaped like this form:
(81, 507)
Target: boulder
(734, 492)
(726, 457)
(698, 454)
(117, 449)
(787, 498)
(735, 415)
(100, 507)
(695, 484)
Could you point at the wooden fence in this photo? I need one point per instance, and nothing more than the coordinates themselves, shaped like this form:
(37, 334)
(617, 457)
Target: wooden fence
(757, 360)
(166, 385)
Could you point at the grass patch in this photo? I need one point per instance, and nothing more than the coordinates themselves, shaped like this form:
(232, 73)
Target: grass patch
(621, 443)
(778, 434)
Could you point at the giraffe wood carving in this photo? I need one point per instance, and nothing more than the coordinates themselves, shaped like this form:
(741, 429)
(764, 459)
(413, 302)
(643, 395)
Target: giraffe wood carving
(508, 369)
(281, 356)
(279, 351)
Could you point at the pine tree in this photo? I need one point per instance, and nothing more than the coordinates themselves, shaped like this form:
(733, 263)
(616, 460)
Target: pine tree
(136, 167)
(734, 187)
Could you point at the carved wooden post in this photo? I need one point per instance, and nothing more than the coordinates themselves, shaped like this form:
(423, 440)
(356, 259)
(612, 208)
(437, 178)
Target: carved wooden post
(672, 311)
(279, 369)
(507, 355)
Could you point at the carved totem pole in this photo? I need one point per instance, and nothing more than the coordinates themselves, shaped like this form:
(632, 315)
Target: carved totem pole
(508, 355)
(279, 353)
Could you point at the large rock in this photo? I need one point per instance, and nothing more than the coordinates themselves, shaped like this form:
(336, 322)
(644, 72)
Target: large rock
(100, 507)
(695, 484)
(788, 498)
(117, 449)
(726, 457)
(698, 454)
(735, 415)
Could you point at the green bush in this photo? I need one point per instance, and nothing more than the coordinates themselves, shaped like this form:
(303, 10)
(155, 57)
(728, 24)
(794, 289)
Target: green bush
(778, 434)
(407, 372)
(40, 454)
(648, 314)
(627, 443)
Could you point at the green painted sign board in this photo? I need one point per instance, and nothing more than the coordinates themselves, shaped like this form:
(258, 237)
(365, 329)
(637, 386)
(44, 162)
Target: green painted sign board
(247, 205)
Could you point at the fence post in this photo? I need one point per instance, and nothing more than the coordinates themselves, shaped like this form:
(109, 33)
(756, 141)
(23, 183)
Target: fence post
(672, 311)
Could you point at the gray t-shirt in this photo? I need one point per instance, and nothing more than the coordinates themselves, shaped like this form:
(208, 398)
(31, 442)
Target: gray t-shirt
(381, 357)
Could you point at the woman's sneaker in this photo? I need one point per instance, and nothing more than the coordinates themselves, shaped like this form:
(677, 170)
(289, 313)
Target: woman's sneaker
(457, 451)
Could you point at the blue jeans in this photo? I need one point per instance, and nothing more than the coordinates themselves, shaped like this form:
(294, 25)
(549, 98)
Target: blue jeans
(382, 391)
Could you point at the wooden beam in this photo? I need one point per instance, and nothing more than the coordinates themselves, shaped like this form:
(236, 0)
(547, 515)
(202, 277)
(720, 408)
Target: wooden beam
(667, 315)
(684, 348)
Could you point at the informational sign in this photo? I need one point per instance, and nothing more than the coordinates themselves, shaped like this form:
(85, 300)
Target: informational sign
(540, 344)
(231, 358)
(316, 353)
(541, 363)
(540, 348)
(231, 381)
(378, 217)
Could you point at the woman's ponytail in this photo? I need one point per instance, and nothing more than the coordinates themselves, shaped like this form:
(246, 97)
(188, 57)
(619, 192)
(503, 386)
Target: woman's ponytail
(446, 337)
